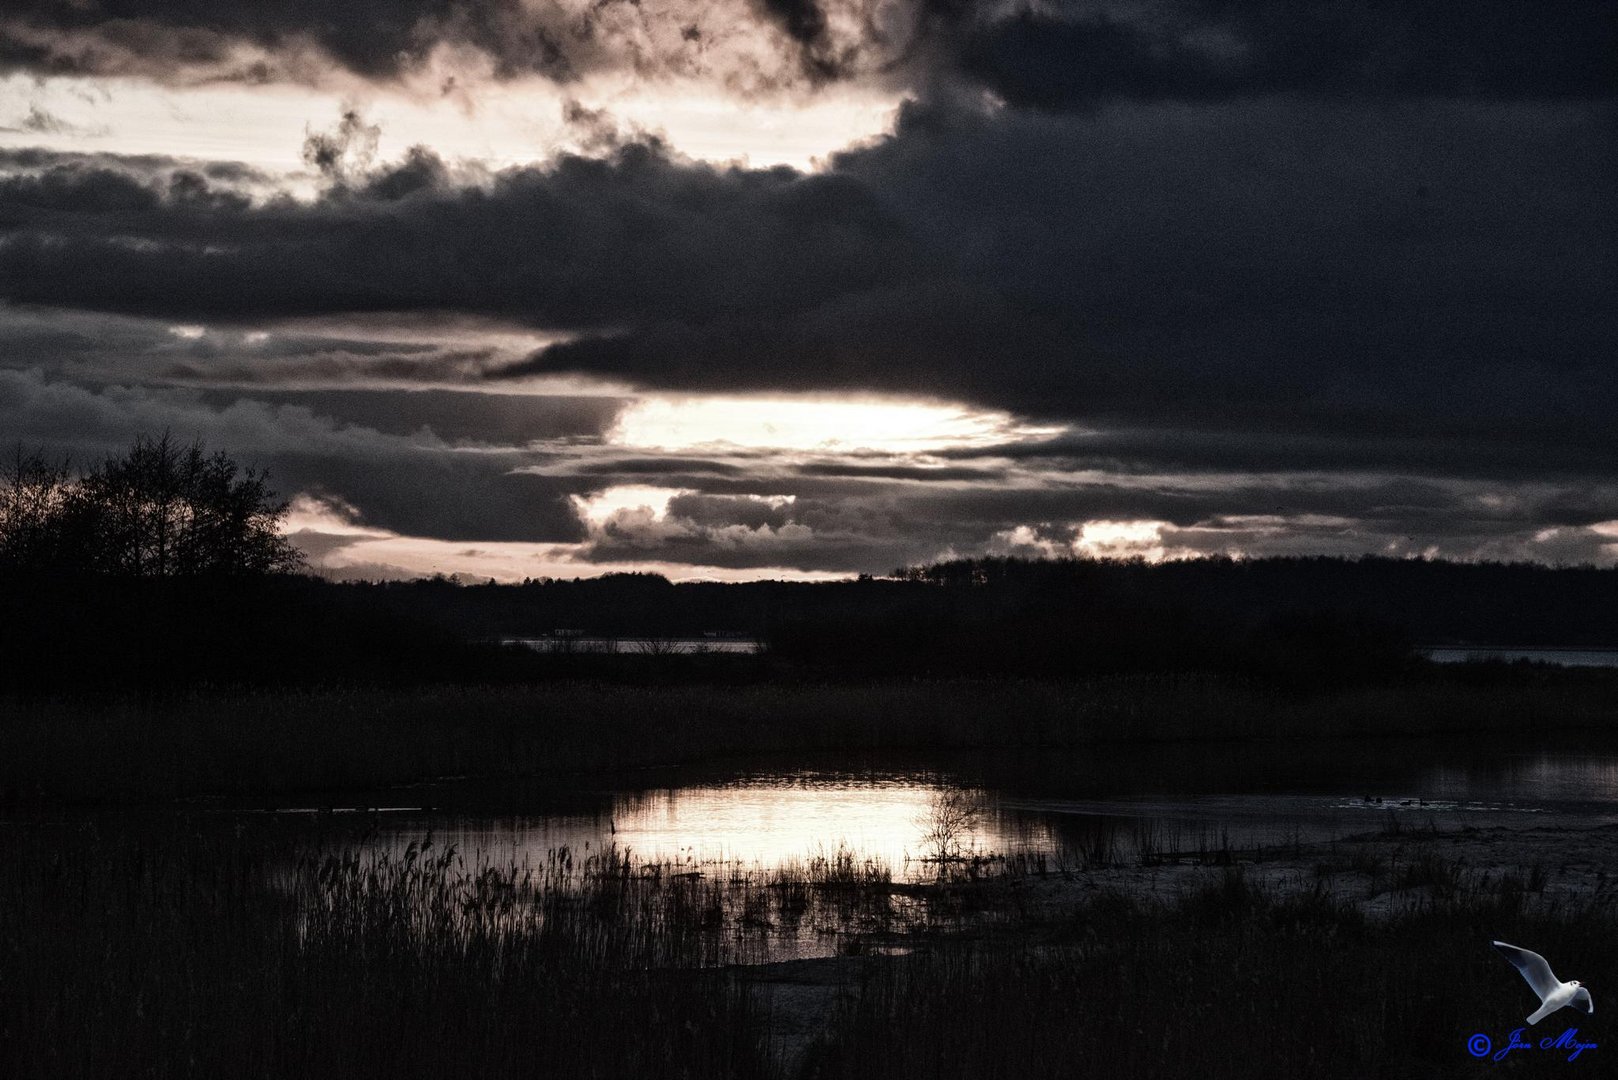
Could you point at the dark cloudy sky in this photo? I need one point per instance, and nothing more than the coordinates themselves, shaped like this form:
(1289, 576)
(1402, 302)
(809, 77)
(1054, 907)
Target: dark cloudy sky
(742, 288)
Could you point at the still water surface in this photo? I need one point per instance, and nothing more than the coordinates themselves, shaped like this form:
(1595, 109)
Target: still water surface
(642, 646)
(1565, 656)
(1181, 797)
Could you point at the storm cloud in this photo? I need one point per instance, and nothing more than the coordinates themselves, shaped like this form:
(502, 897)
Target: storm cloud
(583, 242)
(1258, 277)
(1278, 267)
(1060, 54)
(481, 492)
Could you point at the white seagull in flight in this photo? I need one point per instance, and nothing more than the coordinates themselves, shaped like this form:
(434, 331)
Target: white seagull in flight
(1553, 993)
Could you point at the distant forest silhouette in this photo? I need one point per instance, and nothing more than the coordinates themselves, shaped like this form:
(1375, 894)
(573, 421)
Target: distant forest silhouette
(166, 568)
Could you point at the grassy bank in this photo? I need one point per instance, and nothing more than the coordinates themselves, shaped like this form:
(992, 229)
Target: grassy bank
(101, 749)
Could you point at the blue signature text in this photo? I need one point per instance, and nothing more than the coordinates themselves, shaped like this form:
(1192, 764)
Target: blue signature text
(1568, 1042)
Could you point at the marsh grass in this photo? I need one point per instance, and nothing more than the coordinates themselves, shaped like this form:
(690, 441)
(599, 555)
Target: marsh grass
(254, 946)
(1227, 980)
(261, 947)
(209, 951)
(1155, 845)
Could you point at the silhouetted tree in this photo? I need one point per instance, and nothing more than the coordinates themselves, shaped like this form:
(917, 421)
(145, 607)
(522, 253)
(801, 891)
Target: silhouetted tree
(161, 510)
(34, 495)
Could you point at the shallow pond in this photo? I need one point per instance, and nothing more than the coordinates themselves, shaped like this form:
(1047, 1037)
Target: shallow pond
(1181, 799)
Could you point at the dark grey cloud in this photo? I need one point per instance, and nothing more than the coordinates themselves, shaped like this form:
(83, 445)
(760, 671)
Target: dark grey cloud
(1416, 286)
(932, 474)
(472, 497)
(734, 42)
(1413, 285)
(865, 527)
(1075, 54)
(346, 149)
(726, 510)
(164, 38)
(652, 468)
(460, 417)
(1058, 54)
(96, 347)
(1509, 452)
(477, 468)
(149, 168)
(582, 242)
(475, 494)
(819, 51)
(1288, 276)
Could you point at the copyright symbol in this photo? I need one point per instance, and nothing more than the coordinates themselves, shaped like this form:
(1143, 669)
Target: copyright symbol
(1479, 1045)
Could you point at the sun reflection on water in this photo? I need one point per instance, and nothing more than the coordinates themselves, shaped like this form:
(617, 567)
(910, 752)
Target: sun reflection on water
(771, 824)
(764, 823)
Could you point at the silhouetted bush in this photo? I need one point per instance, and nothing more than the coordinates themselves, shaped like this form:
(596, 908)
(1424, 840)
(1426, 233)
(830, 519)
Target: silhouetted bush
(162, 510)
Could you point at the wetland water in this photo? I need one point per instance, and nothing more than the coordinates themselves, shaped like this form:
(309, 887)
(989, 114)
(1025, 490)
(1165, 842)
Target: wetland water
(1564, 656)
(752, 862)
(1181, 798)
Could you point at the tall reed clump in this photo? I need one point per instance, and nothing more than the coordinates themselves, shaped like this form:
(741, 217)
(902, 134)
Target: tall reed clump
(203, 952)
(276, 947)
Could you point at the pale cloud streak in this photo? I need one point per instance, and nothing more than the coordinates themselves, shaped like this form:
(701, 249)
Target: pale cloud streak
(517, 123)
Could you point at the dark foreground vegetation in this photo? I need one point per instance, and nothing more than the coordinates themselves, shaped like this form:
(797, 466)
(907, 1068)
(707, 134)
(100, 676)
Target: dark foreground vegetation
(131, 955)
(1225, 982)
(256, 949)
(304, 743)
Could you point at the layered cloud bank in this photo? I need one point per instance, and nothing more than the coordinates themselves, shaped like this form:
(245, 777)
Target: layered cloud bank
(1053, 54)
(1122, 278)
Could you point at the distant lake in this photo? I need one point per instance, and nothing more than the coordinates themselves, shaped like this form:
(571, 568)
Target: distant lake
(638, 646)
(1564, 656)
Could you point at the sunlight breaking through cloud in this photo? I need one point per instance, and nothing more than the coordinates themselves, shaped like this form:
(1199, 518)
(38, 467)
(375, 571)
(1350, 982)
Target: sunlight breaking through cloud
(813, 423)
(1122, 539)
(601, 506)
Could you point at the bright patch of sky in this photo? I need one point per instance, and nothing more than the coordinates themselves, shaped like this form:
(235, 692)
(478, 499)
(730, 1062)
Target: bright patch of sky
(504, 124)
(812, 423)
(602, 505)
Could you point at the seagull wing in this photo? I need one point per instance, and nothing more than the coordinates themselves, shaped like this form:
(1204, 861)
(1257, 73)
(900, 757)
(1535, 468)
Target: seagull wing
(1533, 968)
(1582, 1000)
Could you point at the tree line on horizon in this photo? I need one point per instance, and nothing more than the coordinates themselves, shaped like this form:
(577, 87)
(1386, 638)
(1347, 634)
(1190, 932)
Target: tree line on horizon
(168, 565)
